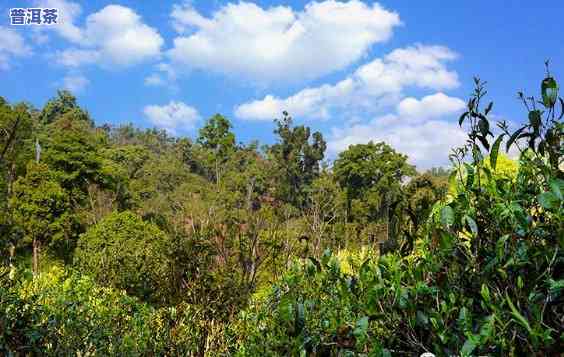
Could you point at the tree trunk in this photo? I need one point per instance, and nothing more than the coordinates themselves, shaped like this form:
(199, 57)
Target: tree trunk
(36, 249)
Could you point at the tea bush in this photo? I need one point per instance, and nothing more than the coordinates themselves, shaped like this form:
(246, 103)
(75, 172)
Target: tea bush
(484, 279)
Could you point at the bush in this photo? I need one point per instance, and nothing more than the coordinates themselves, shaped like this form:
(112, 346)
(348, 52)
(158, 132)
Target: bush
(125, 252)
(64, 313)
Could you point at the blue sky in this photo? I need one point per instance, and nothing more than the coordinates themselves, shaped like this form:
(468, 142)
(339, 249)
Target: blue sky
(397, 71)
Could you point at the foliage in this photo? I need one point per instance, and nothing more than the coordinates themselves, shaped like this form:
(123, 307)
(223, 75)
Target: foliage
(485, 278)
(371, 174)
(63, 105)
(208, 247)
(124, 252)
(421, 194)
(219, 142)
(41, 209)
(297, 161)
(71, 151)
(66, 313)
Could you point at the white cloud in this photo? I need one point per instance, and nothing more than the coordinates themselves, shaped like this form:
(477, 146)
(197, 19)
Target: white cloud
(173, 117)
(426, 142)
(429, 107)
(75, 57)
(12, 44)
(68, 13)
(165, 76)
(310, 103)
(372, 86)
(121, 37)
(277, 43)
(113, 36)
(75, 82)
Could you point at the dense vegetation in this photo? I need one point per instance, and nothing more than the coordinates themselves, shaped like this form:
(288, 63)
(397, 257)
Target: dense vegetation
(121, 241)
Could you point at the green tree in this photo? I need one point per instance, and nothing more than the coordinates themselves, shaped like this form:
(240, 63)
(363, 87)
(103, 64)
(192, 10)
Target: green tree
(41, 209)
(296, 160)
(421, 194)
(372, 176)
(63, 103)
(16, 126)
(217, 138)
(71, 149)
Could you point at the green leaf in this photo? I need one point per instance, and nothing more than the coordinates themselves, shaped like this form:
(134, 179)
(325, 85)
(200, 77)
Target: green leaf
(547, 200)
(535, 119)
(549, 90)
(422, 319)
(489, 108)
(487, 329)
(361, 327)
(462, 117)
(469, 346)
(299, 322)
(513, 137)
(556, 286)
(477, 154)
(484, 126)
(447, 216)
(520, 282)
(520, 319)
(326, 257)
(471, 104)
(495, 150)
(452, 178)
(472, 224)
(484, 141)
(485, 292)
(557, 187)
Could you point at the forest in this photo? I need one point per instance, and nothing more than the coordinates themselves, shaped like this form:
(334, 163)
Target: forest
(116, 240)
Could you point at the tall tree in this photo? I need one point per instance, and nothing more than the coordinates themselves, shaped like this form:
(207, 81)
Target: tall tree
(62, 104)
(372, 176)
(71, 149)
(16, 125)
(296, 159)
(216, 136)
(41, 209)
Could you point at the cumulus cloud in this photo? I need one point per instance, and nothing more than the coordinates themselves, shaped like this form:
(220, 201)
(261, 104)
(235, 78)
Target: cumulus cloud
(372, 86)
(113, 36)
(430, 106)
(415, 129)
(66, 21)
(12, 45)
(120, 36)
(279, 43)
(76, 83)
(173, 117)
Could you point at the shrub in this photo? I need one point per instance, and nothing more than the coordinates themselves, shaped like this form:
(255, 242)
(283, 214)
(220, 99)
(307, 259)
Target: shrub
(64, 313)
(125, 252)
